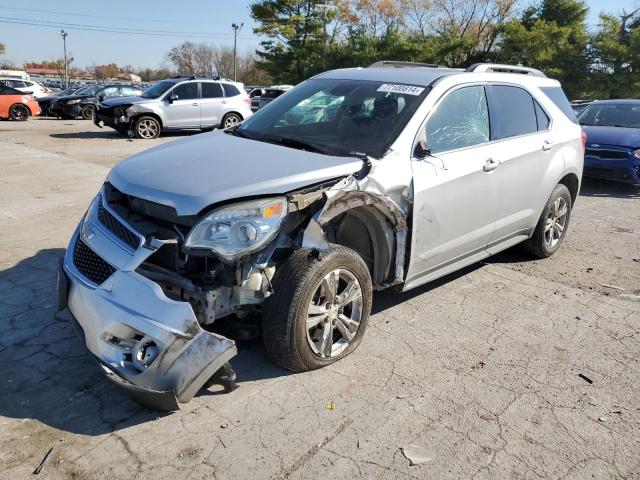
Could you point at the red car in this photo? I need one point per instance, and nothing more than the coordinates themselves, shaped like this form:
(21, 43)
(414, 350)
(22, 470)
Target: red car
(16, 105)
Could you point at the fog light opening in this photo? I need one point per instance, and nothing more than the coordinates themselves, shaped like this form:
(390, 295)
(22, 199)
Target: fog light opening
(146, 353)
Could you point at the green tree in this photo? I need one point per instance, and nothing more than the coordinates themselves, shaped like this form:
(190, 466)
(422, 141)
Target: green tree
(293, 50)
(552, 36)
(615, 49)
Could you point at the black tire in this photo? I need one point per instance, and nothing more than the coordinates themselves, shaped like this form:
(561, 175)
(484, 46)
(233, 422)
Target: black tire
(231, 120)
(87, 112)
(295, 285)
(19, 112)
(146, 127)
(538, 245)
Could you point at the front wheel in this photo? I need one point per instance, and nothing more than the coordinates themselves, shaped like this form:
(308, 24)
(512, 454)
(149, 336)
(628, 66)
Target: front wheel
(552, 225)
(19, 112)
(146, 128)
(231, 120)
(87, 112)
(319, 310)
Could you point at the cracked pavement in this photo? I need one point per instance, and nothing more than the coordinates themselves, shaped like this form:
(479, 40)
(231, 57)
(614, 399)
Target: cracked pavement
(481, 368)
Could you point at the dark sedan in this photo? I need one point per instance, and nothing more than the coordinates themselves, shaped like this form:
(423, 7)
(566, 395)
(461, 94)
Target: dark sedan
(45, 102)
(83, 103)
(613, 140)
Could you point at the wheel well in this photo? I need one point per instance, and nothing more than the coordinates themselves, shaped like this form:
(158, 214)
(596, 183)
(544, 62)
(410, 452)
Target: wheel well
(23, 104)
(145, 114)
(571, 182)
(237, 113)
(369, 233)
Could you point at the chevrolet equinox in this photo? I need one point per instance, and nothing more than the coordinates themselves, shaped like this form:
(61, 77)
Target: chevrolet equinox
(355, 180)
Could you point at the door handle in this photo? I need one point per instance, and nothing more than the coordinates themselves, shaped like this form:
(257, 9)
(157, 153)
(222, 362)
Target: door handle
(491, 164)
(195, 104)
(547, 145)
(223, 101)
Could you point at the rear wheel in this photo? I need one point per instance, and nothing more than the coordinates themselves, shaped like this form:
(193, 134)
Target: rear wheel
(19, 112)
(146, 127)
(552, 225)
(231, 120)
(319, 310)
(87, 112)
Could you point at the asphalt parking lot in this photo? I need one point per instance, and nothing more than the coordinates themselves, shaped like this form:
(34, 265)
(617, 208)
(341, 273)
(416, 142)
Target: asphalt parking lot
(512, 368)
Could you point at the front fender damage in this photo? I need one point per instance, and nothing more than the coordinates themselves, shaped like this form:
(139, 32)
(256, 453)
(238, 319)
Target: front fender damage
(347, 195)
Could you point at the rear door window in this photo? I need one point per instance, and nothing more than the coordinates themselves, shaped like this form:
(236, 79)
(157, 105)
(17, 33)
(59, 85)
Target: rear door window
(557, 96)
(230, 90)
(512, 112)
(461, 120)
(211, 90)
(541, 117)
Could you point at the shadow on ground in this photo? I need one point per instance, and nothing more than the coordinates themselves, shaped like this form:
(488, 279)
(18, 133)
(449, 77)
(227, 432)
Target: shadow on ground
(594, 187)
(48, 374)
(112, 134)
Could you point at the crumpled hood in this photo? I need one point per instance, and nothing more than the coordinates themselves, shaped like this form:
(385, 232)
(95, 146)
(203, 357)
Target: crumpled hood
(112, 102)
(623, 137)
(193, 173)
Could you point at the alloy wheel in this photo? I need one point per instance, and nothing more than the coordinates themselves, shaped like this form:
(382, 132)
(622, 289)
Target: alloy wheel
(19, 112)
(231, 121)
(556, 222)
(147, 129)
(334, 313)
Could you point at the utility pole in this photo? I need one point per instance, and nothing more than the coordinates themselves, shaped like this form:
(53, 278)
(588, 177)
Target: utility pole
(64, 34)
(235, 27)
(326, 8)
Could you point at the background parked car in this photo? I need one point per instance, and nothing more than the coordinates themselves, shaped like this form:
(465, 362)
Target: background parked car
(271, 94)
(613, 140)
(83, 103)
(16, 105)
(180, 103)
(27, 86)
(255, 95)
(579, 105)
(45, 102)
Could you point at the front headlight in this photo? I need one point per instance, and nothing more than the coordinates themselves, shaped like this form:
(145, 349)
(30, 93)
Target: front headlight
(73, 102)
(636, 153)
(239, 229)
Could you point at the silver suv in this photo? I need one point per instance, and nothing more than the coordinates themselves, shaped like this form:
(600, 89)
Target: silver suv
(355, 180)
(180, 103)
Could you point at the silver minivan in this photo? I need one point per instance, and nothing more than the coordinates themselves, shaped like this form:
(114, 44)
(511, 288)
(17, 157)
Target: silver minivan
(354, 181)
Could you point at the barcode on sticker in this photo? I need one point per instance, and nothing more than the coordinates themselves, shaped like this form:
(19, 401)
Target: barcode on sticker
(406, 89)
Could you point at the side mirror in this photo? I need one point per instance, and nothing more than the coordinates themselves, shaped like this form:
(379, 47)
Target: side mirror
(421, 151)
(173, 97)
(101, 98)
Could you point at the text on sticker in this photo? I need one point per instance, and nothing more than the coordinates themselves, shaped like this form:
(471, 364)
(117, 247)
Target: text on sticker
(394, 88)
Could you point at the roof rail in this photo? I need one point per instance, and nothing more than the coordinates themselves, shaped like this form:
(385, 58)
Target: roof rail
(400, 64)
(193, 77)
(502, 68)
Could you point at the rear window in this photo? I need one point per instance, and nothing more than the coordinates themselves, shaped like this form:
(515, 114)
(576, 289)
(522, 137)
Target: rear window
(230, 90)
(512, 112)
(557, 96)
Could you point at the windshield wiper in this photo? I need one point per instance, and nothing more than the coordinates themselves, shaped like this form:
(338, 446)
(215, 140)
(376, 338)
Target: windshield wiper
(297, 143)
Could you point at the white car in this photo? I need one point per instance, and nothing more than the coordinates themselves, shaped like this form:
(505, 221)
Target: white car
(27, 86)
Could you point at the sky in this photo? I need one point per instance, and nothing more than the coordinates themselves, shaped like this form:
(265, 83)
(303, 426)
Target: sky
(158, 26)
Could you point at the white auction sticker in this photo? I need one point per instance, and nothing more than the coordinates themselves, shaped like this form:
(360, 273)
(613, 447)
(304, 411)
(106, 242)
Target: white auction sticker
(394, 88)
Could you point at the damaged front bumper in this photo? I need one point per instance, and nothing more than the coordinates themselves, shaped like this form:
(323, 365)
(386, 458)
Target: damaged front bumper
(150, 345)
